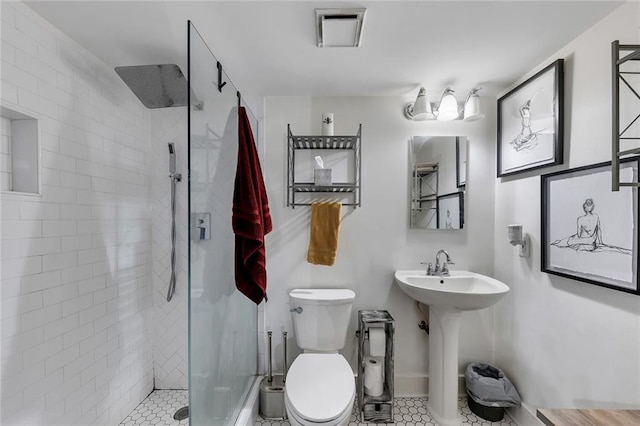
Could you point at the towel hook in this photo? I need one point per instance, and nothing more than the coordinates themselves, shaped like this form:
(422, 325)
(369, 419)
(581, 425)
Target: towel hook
(221, 83)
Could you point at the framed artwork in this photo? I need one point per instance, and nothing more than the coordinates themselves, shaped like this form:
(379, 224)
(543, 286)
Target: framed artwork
(461, 162)
(531, 122)
(450, 208)
(590, 233)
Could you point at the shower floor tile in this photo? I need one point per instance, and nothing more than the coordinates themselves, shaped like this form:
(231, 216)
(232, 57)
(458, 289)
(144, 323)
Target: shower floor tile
(411, 411)
(158, 409)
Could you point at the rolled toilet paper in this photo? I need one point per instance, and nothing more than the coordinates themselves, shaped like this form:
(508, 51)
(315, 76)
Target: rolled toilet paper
(377, 341)
(373, 382)
(380, 360)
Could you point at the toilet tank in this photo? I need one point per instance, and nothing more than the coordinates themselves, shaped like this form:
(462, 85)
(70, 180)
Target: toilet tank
(322, 323)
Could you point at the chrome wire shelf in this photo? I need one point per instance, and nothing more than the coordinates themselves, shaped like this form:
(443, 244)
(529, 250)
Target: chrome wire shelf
(325, 142)
(336, 187)
(349, 190)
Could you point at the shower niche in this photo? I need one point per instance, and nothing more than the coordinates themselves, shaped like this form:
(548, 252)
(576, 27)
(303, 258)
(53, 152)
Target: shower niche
(19, 152)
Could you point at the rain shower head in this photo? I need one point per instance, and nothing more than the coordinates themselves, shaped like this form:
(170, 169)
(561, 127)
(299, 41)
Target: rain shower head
(157, 86)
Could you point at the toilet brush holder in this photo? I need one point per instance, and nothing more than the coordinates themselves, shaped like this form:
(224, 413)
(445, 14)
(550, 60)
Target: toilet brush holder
(272, 398)
(272, 386)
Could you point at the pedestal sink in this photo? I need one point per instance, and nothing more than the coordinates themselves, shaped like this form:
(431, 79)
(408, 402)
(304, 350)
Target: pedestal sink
(447, 298)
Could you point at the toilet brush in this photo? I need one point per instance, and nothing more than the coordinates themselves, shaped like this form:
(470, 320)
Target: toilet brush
(285, 368)
(272, 389)
(284, 350)
(269, 372)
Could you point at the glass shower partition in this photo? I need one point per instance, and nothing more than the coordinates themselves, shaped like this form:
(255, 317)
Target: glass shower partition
(222, 322)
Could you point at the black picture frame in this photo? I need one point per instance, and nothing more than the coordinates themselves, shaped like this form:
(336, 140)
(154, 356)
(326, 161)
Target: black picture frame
(591, 248)
(541, 114)
(458, 201)
(461, 164)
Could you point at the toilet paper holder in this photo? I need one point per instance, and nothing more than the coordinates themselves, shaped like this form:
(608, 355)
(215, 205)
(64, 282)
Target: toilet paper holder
(379, 408)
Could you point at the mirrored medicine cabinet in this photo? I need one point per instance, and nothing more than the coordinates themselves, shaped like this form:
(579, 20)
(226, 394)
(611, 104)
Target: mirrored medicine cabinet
(438, 177)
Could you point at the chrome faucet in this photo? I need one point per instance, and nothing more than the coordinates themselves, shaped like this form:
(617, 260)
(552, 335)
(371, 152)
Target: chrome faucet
(445, 270)
(437, 271)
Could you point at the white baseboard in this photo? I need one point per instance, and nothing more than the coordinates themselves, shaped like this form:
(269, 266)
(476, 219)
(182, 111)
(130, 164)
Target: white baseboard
(524, 415)
(418, 385)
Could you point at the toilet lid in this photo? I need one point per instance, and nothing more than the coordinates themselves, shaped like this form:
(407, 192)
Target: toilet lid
(320, 386)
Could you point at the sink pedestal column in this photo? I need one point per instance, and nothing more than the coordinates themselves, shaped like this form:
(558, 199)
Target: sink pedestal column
(444, 332)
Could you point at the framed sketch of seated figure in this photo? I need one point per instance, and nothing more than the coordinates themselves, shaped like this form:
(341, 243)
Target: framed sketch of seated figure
(590, 233)
(437, 181)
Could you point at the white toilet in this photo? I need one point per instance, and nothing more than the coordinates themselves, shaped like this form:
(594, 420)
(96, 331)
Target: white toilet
(320, 387)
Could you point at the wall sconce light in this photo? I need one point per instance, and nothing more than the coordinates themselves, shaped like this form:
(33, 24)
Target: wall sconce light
(420, 110)
(472, 107)
(447, 110)
(517, 238)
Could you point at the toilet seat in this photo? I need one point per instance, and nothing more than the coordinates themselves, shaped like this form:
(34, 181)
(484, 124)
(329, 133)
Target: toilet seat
(320, 388)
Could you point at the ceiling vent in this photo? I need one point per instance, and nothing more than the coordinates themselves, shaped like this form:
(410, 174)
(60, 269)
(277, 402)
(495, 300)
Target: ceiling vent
(339, 27)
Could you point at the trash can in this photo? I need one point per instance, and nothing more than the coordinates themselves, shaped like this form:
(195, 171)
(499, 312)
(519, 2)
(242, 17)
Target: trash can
(489, 391)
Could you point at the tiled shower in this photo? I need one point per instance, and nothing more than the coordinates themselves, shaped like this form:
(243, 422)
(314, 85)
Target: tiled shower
(170, 339)
(86, 330)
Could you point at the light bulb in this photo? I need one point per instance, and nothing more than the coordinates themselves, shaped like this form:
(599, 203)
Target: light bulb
(448, 109)
(472, 107)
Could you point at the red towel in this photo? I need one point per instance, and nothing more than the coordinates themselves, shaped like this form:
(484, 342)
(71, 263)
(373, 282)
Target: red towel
(251, 219)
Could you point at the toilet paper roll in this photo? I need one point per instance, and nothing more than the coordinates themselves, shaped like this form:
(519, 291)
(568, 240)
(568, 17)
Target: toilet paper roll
(377, 341)
(373, 382)
(380, 360)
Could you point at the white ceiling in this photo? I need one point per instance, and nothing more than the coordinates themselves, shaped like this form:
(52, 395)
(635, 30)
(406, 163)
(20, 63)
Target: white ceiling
(269, 48)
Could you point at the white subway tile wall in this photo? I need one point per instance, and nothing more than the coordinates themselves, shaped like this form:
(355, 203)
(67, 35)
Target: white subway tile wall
(170, 319)
(76, 262)
(5, 143)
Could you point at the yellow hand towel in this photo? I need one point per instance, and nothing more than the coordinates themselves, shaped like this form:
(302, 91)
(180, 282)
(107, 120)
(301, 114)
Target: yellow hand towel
(325, 230)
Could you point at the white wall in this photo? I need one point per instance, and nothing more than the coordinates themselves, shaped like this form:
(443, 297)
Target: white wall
(566, 343)
(375, 239)
(76, 262)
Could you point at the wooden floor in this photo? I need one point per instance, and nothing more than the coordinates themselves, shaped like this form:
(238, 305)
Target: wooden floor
(577, 417)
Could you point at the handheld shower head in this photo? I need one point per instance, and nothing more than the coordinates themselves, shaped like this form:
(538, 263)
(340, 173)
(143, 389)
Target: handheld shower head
(172, 158)
(175, 177)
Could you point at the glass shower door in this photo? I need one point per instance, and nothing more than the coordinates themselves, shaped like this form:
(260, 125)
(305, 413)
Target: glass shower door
(222, 322)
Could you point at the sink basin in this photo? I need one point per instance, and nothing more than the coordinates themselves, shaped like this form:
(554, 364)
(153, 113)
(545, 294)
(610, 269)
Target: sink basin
(447, 298)
(463, 290)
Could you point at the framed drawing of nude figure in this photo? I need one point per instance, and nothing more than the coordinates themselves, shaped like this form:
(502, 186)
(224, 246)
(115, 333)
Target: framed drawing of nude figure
(531, 123)
(590, 233)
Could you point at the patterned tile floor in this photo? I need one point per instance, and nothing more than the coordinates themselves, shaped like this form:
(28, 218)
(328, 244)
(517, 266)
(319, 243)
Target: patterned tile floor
(158, 409)
(412, 412)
